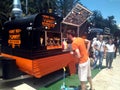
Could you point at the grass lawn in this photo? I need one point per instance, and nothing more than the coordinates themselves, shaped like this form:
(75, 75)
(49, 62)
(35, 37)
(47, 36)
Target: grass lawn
(69, 81)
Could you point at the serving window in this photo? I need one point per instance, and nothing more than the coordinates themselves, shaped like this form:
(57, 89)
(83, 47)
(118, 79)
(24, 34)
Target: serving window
(53, 40)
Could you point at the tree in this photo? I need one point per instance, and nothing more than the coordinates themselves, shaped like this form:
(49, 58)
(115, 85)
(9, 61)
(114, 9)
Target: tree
(39, 6)
(31, 7)
(45, 5)
(61, 7)
(112, 24)
(98, 21)
(64, 6)
(5, 10)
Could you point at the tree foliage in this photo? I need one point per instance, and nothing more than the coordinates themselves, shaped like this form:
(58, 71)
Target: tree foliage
(60, 7)
(64, 6)
(5, 10)
(98, 21)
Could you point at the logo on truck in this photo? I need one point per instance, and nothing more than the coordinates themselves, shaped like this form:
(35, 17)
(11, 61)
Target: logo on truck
(48, 22)
(14, 38)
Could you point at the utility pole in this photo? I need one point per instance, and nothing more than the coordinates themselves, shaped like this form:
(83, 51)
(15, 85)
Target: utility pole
(26, 7)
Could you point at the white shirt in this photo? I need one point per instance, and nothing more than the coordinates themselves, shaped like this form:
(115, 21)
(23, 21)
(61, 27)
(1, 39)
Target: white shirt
(100, 45)
(110, 47)
(93, 43)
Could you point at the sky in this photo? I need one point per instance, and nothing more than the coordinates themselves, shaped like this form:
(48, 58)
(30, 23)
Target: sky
(106, 7)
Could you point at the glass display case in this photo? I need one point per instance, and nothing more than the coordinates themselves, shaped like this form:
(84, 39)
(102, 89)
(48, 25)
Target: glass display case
(53, 40)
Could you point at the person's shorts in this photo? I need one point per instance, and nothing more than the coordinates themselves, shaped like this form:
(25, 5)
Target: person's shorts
(84, 70)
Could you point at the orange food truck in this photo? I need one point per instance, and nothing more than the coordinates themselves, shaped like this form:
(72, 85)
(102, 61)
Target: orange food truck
(33, 44)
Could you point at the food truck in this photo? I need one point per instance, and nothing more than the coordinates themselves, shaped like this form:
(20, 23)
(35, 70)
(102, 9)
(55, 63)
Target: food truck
(33, 45)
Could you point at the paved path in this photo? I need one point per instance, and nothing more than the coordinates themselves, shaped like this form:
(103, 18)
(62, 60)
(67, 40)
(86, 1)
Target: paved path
(108, 79)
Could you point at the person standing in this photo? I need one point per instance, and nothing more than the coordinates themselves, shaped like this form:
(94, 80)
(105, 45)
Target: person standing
(110, 52)
(100, 49)
(81, 53)
(116, 43)
(95, 53)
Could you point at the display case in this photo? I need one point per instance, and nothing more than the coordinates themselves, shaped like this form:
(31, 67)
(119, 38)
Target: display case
(53, 40)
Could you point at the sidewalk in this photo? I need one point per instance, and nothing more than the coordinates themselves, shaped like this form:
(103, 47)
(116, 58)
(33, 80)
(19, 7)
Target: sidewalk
(108, 79)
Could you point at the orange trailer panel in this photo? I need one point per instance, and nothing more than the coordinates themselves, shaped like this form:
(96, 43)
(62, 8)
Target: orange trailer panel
(43, 66)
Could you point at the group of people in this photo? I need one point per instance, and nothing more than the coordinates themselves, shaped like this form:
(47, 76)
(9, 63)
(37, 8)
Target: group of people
(80, 49)
(103, 49)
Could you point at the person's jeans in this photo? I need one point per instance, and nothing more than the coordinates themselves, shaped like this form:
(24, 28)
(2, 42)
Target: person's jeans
(96, 53)
(109, 59)
(98, 56)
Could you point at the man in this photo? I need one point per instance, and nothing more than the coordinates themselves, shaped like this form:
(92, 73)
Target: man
(81, 52)
(100, 48)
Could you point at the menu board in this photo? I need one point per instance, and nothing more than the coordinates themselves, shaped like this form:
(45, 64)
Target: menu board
(14, 38)
(48, 22)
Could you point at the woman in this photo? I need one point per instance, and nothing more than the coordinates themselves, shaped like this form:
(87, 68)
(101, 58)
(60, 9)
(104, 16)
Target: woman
(110, 51)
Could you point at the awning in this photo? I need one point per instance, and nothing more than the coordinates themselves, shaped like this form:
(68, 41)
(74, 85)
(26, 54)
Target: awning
(77, 16)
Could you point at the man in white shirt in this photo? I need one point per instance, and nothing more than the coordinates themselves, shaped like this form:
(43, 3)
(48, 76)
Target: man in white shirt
(100, 48)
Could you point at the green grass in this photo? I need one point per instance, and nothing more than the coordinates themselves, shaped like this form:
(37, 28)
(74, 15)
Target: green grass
(69, 81)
